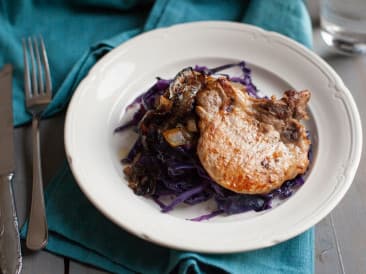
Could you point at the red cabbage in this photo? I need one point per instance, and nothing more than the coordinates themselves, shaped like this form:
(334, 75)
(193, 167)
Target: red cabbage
(184, 196)
(207, 216)
(145, 102)
(177, 171)
(136, 148)
(245, 79)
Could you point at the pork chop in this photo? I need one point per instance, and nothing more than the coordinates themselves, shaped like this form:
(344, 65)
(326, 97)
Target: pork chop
(250, 145)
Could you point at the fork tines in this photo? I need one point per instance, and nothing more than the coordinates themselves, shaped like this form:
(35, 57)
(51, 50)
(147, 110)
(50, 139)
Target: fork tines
(37, 79)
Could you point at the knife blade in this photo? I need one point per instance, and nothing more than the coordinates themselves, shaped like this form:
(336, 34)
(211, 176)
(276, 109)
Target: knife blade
(10, 250)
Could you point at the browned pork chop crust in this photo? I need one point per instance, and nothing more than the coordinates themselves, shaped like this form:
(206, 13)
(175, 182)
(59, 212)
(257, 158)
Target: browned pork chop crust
(251, 145)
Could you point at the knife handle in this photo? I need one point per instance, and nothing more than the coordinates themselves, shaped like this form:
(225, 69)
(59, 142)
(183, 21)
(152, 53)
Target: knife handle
(37, 235)
(10, 250)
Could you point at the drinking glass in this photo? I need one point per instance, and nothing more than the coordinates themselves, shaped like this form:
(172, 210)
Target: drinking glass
(343, 24)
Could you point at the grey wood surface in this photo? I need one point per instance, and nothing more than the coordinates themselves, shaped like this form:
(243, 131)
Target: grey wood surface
(327, 259)
(53, 154)
(78, 268)
(43, 263)
(340, 237)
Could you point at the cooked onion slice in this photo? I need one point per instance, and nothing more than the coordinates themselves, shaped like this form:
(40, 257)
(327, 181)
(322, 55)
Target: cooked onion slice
(177, 137)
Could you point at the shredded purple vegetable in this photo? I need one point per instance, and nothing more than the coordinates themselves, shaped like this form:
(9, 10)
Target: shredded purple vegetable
(177, 171)
(146, 100)
(244, 79)
(207, 216)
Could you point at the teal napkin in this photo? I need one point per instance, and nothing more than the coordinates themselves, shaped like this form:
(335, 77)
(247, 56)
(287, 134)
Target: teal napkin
(77, 33)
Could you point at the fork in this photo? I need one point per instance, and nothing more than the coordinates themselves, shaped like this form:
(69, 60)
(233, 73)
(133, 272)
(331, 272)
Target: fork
(38, 94)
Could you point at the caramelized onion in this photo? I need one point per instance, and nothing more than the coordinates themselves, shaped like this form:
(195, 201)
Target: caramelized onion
(177, 137)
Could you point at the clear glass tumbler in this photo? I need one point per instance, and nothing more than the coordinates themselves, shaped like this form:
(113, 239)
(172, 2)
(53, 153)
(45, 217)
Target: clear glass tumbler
(343, 24)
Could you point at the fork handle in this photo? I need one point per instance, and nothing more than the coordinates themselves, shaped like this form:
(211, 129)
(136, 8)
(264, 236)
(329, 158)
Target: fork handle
(37, 235)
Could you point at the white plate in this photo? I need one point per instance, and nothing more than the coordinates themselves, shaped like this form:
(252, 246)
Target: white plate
(278, 63)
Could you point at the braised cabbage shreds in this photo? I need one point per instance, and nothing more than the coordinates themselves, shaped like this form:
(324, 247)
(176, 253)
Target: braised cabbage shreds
(163, 160)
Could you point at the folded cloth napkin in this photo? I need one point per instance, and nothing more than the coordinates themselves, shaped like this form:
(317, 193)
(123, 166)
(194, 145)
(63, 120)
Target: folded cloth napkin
(77, 229)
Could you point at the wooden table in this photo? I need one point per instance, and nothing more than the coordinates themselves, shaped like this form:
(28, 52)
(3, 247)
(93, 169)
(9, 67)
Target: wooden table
(340, 237)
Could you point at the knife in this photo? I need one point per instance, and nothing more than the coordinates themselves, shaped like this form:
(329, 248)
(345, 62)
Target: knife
(10, 251)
